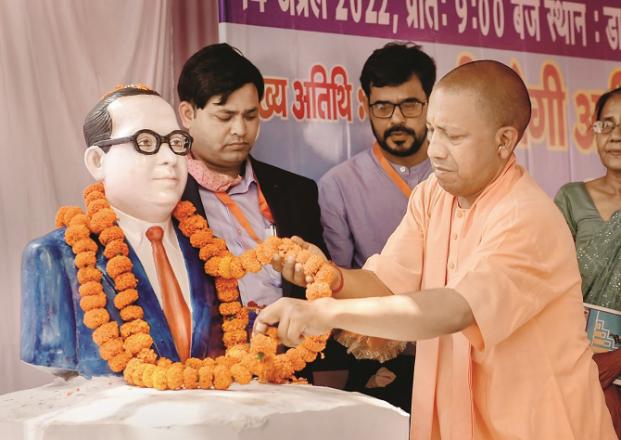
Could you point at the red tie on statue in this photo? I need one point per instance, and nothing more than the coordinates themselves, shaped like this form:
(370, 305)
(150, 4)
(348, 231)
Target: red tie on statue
(175, 308)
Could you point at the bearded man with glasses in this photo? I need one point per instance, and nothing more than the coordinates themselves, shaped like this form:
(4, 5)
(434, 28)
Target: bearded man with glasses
(363, 199)
(135, 147)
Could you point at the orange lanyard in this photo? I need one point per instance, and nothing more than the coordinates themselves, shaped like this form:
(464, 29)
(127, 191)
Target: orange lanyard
(390, 172)
(239, 215)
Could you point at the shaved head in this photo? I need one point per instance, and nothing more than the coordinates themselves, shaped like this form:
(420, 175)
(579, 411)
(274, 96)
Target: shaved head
(497, 90)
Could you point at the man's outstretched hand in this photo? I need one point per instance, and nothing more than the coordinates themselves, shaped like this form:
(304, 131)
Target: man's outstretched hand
(296, 318)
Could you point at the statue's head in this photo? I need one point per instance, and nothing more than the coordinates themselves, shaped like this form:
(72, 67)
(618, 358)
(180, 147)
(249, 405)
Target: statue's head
(135, 146)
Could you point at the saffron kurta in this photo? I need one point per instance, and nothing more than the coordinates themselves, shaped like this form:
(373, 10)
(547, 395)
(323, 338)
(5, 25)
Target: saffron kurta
(524, 370)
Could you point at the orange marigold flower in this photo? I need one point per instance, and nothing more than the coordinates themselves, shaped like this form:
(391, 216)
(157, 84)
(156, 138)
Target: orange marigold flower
(318, 290)
(84, 245)
(174, 376)
(79, 219)
(241, 374)
(105, 332)
(195, 363)
(132, 312)
(208, 362)
(299, 380)
(224, 283)
(264, 254)
(87, 274)
(327, 273)
(201, 238)
(307, 355)
(234, 338)
(147, 375)
(91, 288)
(118, 265)
(272, 332)
(111, 348)
(159, 378)
(183, 210)
(312, 265)
(295, 357)
(133, 327)
(236, 269)
(97, 186)
(102, 219)
(205, 377)
(313, 345)
(97, 205)
(212, 265)
(71, 212)
(242, 315)
(272, 242)
(282, 369)
(302, 256)
(137, 374)
(137, 342)
(91, 302)
(190, 378)
(111, 233)
(227, 295)
(96, 317)
(125, 298)
(238, 351)
(92, 196)
(224, 268)
(119, 362)
(124, 281)
(147, 355)
(85, 259)
(263, 344)
(249, 261)
(233, 324)
(222, 378)
(116, 247)
(164, 362)
(229, 308)
(228, 362)
(129, 370)
(59, 221)
(208, 251)
(75, 233)
(192, 224)
(219, 243)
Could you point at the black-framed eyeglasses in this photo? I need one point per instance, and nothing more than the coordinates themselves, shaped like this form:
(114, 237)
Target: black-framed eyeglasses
(410, 108)
(604, 127)
(147, 141)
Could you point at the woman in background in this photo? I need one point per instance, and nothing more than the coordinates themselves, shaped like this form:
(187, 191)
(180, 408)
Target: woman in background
(593, 212)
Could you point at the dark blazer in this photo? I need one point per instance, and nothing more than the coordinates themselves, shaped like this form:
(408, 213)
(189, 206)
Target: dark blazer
(53, 333)
(293, 202)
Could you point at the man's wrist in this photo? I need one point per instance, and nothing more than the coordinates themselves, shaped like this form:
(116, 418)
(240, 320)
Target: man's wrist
(339, 282)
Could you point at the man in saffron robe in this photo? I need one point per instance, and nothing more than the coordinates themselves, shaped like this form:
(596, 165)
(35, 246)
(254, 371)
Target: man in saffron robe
(482, 273)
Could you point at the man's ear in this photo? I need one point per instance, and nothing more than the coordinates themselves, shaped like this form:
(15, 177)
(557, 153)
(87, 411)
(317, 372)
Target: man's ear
(506, 138)
(93, 159)
(186, 114)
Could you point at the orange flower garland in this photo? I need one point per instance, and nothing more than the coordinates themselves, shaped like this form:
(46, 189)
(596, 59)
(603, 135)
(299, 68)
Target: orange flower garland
(127, 348)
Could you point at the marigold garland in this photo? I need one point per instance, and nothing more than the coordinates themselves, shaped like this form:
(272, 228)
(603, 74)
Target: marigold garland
(127, 346)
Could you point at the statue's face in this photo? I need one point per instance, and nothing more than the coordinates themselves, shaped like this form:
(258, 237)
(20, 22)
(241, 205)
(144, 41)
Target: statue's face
(144, 186)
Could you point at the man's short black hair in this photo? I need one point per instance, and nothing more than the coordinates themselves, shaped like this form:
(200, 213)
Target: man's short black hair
(216, 70)
(394, 64)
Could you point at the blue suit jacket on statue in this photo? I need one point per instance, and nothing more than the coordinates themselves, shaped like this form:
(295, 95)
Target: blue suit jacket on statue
(52, 330)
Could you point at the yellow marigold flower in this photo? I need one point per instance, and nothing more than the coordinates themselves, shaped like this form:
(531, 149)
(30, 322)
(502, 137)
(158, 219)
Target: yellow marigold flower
(318, 290)
(87, 274)
(118, 265)
(97, 205)
(222, 378)
(147, 375)
(96, 317)
(111, 348)
(183, 210)
(208, 362)
(84, 245)
(194, 363)
(111, 233)
(102, 219)
(129, 370)
(241, 374)
(205, 377)
(132, 312)
(85, 259)
(119, 362)
(224, 268)
(125, 298)
(133, 327)
(106, 332)
(164, 362)
(229, 308)
(90, 288)
(190, 378)
(137, 374)
(91, 302)
(237, 271)
(147, 355)
(159, 378)
(174, 376)
(116, 247)
(124, 281)
(201, 238)
(137, 342)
